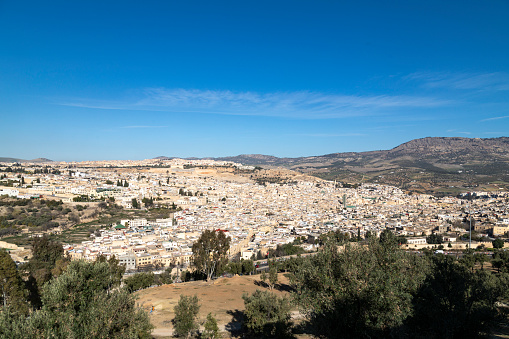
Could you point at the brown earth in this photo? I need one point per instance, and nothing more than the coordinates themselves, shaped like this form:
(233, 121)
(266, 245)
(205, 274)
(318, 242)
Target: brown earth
(221, 297)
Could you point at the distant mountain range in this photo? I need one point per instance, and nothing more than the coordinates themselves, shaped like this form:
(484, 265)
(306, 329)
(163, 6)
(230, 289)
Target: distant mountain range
(440, 154)
(429, 165)
(437, 165)
(9, 160)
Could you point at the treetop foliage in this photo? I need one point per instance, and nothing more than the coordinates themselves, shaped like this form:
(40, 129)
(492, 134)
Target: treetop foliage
(381, 291)
(211, 252)
(80, 303)
(267, 315)
(186, 311)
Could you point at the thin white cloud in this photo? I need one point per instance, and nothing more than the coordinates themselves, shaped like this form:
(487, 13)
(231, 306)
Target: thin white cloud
(331, 135)
(303, 104)
(496, 118)
(143, 126)
(495, 81)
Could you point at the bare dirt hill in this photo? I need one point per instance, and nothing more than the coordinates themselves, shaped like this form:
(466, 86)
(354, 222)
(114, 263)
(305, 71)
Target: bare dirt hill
(222, 297)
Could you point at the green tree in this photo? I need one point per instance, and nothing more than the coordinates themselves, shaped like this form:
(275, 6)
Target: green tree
(134, 203)
(211, 330)
(456, 302)
(139, 281)
(210, 252)
(267, 315)
(13, 294)
(435, 239)
(273, 278)
(388, 238)
(80, 304)
(46, 253)
(359, 292)
(116, 270)
(186, 311)
(497, 243)
(247, 266)
(501, 261)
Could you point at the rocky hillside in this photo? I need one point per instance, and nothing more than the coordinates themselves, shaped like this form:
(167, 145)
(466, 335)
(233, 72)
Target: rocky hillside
(432, 165)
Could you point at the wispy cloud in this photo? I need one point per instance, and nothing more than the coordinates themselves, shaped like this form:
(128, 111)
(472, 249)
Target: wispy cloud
(330, 135)
(457, 132)
(143, 126)
(303, 104)
(495, 81)
(496, 118)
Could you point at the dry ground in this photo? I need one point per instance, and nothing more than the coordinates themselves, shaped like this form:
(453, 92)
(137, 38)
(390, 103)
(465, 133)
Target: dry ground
(222, 297)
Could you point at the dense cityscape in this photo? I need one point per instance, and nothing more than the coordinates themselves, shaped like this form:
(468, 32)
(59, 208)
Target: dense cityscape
(207, 195)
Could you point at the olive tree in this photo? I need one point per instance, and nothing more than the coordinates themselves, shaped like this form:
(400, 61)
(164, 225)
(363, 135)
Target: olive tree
(266, 314)
(358, 292)
(186, 311)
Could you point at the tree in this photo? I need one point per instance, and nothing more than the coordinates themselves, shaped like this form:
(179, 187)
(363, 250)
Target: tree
(273, 279)
(211, 330)
(13, 293)
(210, 252)
(435, 239)
(388, 238)
(456, 302)
(40, 268)
(186, 311)
(263, 277)
(80, 304)
(267, 315)
(359, 292)
(501, 261)
(134, 203)
(116, 270)
(139, 281)
(247, 266)
(497, 243)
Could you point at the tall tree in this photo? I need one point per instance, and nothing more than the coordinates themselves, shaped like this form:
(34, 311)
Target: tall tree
(12, 292)
(134, 203)
(211, 252)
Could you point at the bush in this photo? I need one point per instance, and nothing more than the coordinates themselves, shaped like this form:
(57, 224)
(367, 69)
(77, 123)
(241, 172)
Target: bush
(139, 281)
(186, 311)
(267, 315)
(211, 330)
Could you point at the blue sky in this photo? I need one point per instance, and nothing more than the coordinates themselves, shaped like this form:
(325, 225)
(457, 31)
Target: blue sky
(94, 80)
